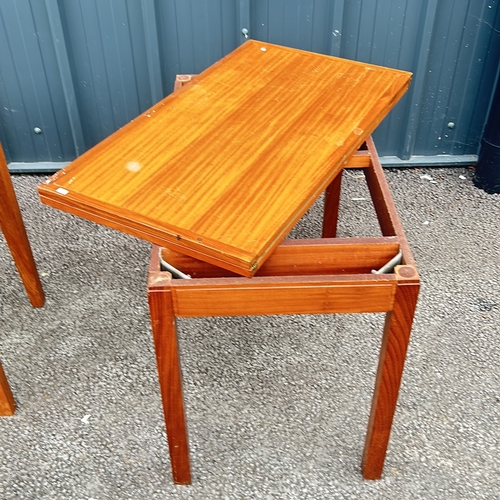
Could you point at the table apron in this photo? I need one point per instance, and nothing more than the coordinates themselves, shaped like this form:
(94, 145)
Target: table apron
(268, 299)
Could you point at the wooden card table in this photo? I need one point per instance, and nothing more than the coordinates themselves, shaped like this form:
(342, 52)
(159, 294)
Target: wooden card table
(327, 275)
(222, 169)
(217, 174)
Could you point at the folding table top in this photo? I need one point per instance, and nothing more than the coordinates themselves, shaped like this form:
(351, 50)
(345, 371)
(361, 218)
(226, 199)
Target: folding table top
(222, 169)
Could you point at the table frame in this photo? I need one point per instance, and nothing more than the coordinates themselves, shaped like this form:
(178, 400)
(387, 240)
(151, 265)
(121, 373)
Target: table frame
(327, 275)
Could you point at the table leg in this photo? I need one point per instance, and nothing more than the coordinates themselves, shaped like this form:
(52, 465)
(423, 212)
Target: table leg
(11, 224)
(331, 210)
(167, 358)
(390, 370)
(7, 404)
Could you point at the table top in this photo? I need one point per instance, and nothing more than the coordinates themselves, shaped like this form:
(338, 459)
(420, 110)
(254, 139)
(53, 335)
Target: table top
(223, 168)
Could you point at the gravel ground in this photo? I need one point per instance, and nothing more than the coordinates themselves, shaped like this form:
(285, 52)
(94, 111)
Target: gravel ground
(277, 407)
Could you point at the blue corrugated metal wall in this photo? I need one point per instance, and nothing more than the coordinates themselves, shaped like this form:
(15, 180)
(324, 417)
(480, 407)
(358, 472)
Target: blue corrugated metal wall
(73, 71)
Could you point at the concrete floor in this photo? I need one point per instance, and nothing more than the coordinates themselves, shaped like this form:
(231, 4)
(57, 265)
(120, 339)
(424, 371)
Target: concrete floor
(277, 407)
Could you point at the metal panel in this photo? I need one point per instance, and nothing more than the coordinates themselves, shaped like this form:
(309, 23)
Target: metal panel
(31, 92)
(463, 62)
(303, 24)
(80, 69)
(385, 33)
(109, 57)
(195, 34)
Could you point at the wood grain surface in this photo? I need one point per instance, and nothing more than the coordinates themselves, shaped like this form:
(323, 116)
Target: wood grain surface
(303, 258)
(169, 374)
(392, 357)
(12, 226)
(7, 403)
(223, 168)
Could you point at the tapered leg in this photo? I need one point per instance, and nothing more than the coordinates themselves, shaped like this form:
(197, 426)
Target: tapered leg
(13, 229)
(390, 369)
(167, 357)
(331, 210)
(7, 404)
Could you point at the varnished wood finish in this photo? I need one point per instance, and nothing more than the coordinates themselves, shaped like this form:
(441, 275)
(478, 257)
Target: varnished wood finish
(390, 370)
(332, 204)
(303, 276)
(223, 168)
(181, 80)
(387, 214)
(167, 359)
(303, 258)
(7, 403)
(360, 159)
(272, 295)
(12, 226)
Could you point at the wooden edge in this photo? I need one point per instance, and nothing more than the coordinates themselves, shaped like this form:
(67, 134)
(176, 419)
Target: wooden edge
(259, 296)
(383, 202)
(285, 281)
(331, 206)
(16, 237)
(407, 274)
(157, 279)
(369, 240)
(154, 260)
(395, 339)
(170, 380)
(241, 264)
(7, 403)
(360, 159)
(299, 258)
(181, 80)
